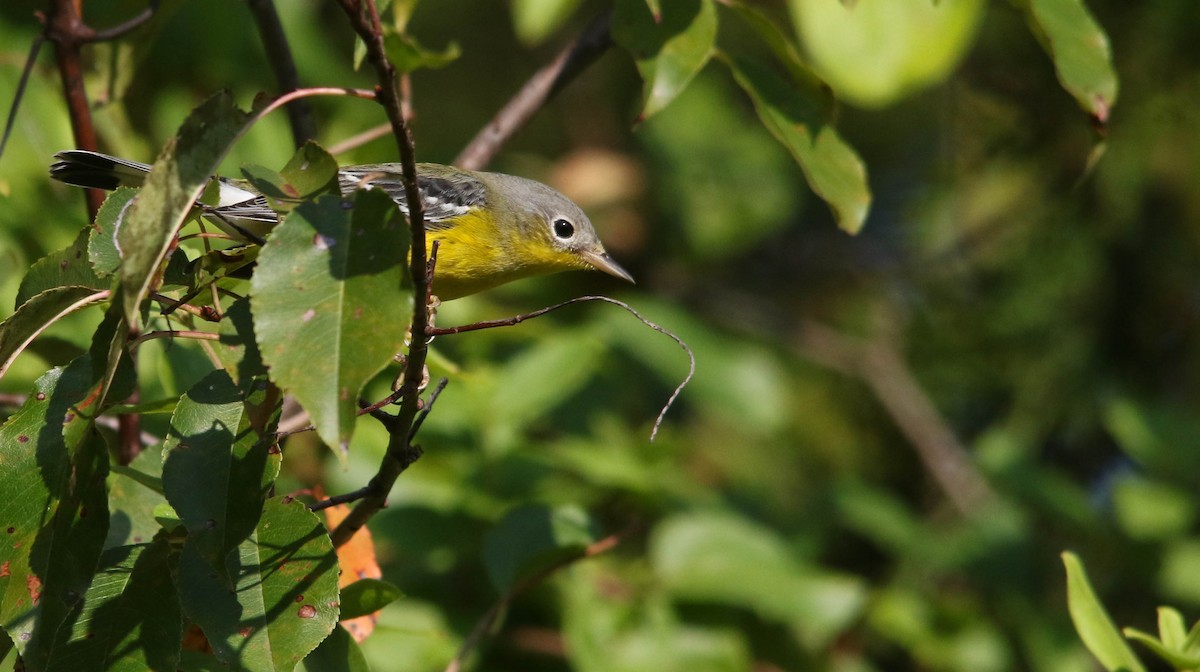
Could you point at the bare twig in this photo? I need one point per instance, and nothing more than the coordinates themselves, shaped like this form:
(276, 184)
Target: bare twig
(574, 59)
(172, 333)
(364, 18)
(30, 60)
(880, 365)
(121, 29)
(65, 27)
(279, 55)
(484, 625)
(517, 319)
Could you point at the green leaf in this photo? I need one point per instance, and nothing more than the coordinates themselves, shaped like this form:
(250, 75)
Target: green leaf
(408, 55)
(284, 600)
(532, 539)
(780, 44)
(874, 53)
(1175, 658)
(338, 653)
(723, 559)
(177, 179)
(238, 349)
(798, 118)
(1171, 628)
(38, 313)
(310, 171)
(1092, 621)
(547, 375)
(134, 492)
(367, 596)
(56, 527)
(1081, 52)
(535, 20)
(220, 463)
(669, 50)
(329, 306)
(68, 267)
(102, 246)
(130, 619)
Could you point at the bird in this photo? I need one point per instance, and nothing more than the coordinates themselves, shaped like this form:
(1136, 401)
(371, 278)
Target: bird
(491, 228)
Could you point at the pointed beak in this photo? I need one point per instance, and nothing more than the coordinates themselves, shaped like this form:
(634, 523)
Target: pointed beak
(602, 262)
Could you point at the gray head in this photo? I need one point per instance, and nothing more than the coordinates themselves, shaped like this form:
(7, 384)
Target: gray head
(566, 236)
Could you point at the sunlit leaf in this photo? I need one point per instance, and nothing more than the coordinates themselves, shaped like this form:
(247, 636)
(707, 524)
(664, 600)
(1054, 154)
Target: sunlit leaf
(366, 596)
(68, 267)
(535, 20)
(669, 51)
(238, 349)
(874, 53)
(800, 120)
(133, 493)
(329, 307)
(310, 171)
(724, 559)
(1081, 52)
(37, 313)
(1093, 623)
(1177, 659)
(284, 599)
(102, 245)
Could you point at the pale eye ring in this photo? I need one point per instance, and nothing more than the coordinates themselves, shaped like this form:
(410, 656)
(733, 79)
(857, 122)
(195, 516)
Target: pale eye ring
(563, 229)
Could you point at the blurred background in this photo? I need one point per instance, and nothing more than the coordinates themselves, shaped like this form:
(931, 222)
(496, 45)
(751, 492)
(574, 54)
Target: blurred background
(890, 437)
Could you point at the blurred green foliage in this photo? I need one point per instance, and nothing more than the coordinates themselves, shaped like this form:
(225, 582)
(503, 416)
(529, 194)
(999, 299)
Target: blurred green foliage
(1040, 283)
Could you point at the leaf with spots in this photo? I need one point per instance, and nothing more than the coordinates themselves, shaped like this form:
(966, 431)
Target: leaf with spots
(329, 304)
(311, 171)
(220, 461)
(38, 313)
(68, 267)
(284, 600)
(55, 514)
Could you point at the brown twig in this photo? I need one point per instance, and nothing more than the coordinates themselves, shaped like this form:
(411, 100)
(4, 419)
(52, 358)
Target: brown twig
(172, 333)
(517, 319)
(30, 60)
(881, 366)
(595, 39)
(364, 19)
(279, 55)
(485, 623)
(66, 29)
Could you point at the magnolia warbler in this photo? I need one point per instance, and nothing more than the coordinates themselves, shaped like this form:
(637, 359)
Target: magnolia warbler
(491, 228)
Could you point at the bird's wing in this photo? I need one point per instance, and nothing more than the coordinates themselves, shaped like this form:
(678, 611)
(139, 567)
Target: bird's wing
(444, 196)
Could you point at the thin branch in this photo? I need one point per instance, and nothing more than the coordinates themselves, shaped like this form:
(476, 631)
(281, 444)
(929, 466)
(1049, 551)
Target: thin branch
(65, 27)
(360, 139)
(517, 319)
(85, 301)
(880, 365)
(171, 333)
(279, 55)
(121, 29)
(485, 623)
(595, 39)
(30, 61)
(364, 18)
(433, 397)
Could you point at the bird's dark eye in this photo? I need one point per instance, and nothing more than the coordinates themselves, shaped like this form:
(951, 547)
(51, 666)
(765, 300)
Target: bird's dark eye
(563, 229)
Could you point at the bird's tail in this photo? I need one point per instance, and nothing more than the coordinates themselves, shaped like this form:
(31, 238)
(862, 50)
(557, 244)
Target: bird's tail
(99, 171)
